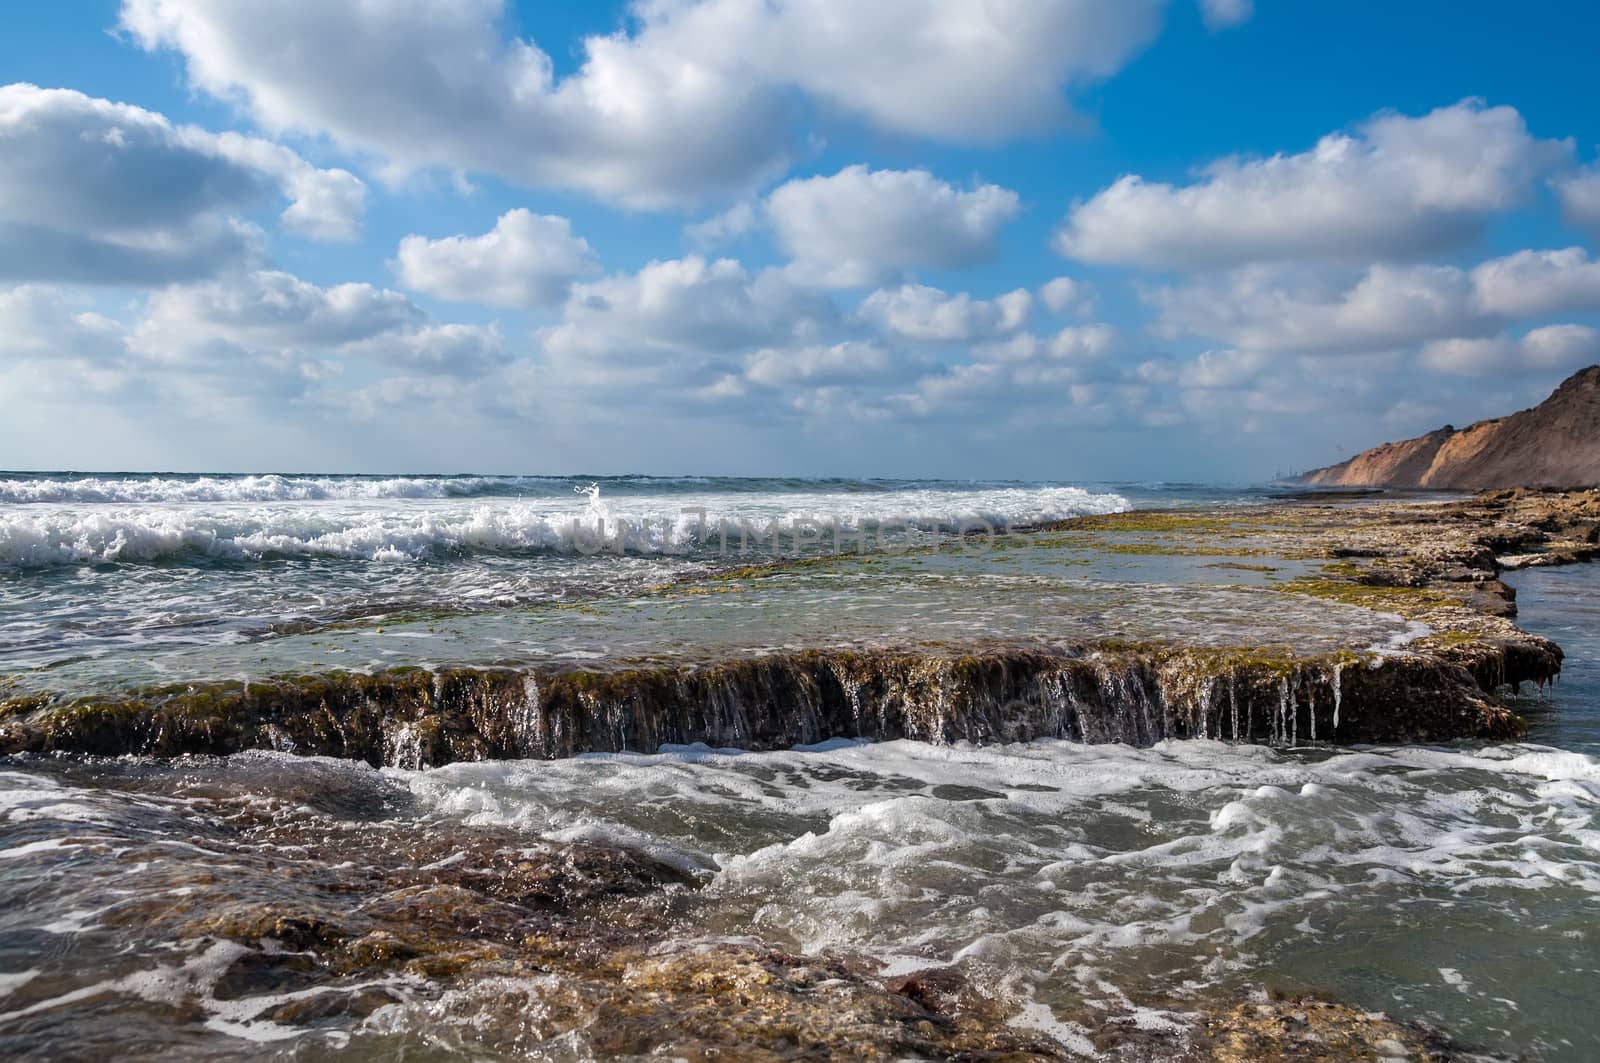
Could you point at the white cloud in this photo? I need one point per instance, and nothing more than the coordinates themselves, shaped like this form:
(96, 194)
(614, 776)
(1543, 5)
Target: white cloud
(449, 350)
(695, 103)
(40, 321)
(1386, 307)
(270, 310)
(440, 86)
(1579, 193)
(278, 318)
(98, 192)
(1400, 187)
(1553, 347)
(324, 204)
(918, 312)
(861, 227)
(1530, 283)
(943, 69)
(687, 307)
(1226, 369)
(392, 393)
(1224, 14)
(1288, 312)
(526, 261)
(736, 221)
(1063, 295)
(1073, 343)
(851, 362)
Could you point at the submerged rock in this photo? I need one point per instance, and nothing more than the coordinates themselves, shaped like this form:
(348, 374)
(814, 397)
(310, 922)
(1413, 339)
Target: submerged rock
(1303, 1028)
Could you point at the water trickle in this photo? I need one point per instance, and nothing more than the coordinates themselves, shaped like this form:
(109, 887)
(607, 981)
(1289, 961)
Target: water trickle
(528, 729)
(1233, 704)
(1338, 694)
(1311, 704)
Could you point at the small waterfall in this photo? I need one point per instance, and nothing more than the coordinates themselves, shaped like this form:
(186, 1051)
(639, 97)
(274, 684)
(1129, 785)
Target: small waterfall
(1233, 703)
(529, 728)
(1311, 703)
(414, 718)
(1338, 693)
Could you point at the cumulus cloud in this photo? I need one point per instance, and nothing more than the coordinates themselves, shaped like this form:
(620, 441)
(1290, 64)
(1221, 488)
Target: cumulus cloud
(1398, 187)
(694, 103)
(1530, 283)
(850, 362)
(93, 191)
(861, 227)
(690, 306)
(1063, 295)
(1290, 311)
(1553, 347)
(450, 350)
(324, 204)
(1074, 343)
(45, 323)
(918, 312)
(525, 262)
(736, 221)
(270, 310)
(1579, 193)
(1269, 310)
(275, 316)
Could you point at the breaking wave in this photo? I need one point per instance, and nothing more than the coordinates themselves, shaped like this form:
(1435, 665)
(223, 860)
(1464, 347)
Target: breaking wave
(432, 528)
(26, 488)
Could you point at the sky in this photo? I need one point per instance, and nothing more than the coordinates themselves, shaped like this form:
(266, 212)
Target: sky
(1202, 240)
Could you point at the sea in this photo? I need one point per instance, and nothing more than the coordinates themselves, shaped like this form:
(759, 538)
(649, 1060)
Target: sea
(1456, 885)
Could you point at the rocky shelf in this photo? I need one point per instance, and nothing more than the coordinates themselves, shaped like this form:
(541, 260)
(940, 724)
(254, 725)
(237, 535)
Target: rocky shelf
(1433, 563)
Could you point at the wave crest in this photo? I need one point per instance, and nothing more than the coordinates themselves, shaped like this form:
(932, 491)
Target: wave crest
(50, 536)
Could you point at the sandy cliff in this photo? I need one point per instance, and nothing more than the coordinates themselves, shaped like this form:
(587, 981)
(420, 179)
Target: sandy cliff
(1555, 444)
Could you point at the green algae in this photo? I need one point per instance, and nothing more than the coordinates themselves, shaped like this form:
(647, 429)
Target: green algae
(1402, 600)
(1156, 520)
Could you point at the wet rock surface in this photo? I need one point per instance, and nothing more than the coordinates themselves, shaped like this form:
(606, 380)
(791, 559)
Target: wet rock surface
(308, 912)
(286, 922)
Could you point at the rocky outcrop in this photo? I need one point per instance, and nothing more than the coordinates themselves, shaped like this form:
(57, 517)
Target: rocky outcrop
(1555, 444)
(1135, 695)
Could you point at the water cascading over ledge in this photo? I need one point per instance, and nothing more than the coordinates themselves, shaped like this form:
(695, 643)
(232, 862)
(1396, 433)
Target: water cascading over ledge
(1138, 696)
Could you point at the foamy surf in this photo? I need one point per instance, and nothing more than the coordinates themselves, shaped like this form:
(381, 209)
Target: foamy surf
(431, 529)
(1072, 883)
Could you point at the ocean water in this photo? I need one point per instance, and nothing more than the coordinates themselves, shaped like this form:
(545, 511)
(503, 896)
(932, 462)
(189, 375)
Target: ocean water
(144, 563)
(1457, 885)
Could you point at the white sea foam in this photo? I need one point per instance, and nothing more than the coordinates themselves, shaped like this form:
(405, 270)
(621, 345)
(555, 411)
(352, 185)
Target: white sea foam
(42, 536)
(264, 488)
(1066, 879)
(1085, 872)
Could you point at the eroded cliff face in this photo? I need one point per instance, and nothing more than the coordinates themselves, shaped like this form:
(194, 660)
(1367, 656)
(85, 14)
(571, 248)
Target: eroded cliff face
(1555, 444)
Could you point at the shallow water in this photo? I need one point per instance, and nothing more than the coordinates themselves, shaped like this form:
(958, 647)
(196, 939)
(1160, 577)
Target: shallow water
(96, 565)
(1457, 886)
(1564, 604)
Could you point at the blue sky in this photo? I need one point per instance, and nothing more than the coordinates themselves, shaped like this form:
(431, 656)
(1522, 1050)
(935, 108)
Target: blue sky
(1074, 240)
